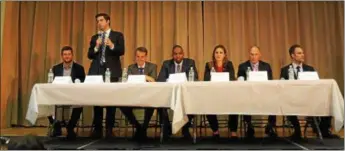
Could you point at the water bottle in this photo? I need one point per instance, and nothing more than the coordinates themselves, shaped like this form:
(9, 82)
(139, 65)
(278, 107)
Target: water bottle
(247, 73)
(107, 75)
(291, 73)
(124, 75)
(191, 74)
(50, 76)
(213, 70)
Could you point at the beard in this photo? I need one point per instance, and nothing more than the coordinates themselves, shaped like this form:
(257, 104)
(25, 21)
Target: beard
(68, 62)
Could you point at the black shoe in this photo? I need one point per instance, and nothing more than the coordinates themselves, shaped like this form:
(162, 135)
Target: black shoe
(109, 133)
(186, 134)
(329, 135)
(97, 134)
(270, 132)
(296, 136)
(71, 135)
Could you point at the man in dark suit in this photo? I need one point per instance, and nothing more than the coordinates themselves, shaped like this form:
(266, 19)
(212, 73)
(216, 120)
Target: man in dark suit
(255, 64)
(177, 65)
(105, 50)
(297, 56)
(143, 67)
(76, 71)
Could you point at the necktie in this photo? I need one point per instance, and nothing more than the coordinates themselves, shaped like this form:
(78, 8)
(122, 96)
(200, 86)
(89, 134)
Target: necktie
(178, 68)
(298, 70)
(255, 67)
(141, 70)
(103, 46)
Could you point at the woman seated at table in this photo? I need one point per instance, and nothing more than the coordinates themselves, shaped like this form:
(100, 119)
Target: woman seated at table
(220, 63)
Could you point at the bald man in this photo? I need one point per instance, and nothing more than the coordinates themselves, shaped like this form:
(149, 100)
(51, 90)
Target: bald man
(256, 64)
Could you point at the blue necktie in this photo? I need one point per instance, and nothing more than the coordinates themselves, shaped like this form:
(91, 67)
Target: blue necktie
(103, 46)
(141, 70)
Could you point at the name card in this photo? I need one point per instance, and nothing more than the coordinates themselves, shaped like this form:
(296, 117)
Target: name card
(136, 79)
(177, 77)
(258, 76)
(309, 75)
(94, 79)
(220, 76)
(62, 80)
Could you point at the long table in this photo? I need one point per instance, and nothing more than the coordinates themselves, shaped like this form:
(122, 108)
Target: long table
(275, 97)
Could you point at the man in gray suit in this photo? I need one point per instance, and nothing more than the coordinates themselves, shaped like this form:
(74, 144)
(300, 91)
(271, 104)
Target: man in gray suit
(142, 67)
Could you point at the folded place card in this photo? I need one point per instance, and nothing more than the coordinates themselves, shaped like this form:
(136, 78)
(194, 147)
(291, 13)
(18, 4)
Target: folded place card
(62, 80)
(220, 76)
(258, 76)
(94, 79)
(136, 79)
(177, 77)
(309, 75)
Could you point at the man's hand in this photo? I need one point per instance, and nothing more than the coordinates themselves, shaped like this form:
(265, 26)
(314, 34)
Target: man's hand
(109, 43)
(149, 79)
(98, 42)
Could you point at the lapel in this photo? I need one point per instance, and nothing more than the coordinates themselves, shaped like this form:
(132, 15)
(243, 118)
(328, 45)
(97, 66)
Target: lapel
(73, 70)
(261, 67)
(146, 69)
(60, 71)
(172, 66)
(184, 65)
(249, 65)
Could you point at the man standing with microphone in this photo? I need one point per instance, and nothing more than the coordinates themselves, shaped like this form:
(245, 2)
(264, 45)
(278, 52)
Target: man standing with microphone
(105, 50)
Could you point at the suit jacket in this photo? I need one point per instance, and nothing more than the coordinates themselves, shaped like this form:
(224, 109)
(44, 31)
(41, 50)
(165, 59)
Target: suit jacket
(112, 57)
(284, 72)
(263, 66)
(150, 69)
(228, 67)
(77, 71)
(168, 67)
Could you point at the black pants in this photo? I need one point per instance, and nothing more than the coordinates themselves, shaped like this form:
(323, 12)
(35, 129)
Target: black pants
(232, 123)
(163, 119)
(74, 118)
(98, 112)
(186, 127)
(325, 124)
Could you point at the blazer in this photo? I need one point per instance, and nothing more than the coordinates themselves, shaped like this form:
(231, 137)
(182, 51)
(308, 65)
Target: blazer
(284, 72)
(227, 67)
(112, 57)
(168, 67)
(263, 66)
(150, 69)
(77, 71)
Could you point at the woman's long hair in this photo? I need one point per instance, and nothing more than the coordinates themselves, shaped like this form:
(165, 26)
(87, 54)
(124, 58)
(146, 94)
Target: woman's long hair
(225, 59)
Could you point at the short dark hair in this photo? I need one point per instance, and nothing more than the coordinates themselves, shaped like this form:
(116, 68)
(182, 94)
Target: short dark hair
(142, 49)
(292, 48)
(66, 48)
(106, 16)
(176, 46)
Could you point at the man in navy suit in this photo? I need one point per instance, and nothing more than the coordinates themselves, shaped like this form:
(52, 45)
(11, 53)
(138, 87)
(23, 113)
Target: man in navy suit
(177, 64)
(255, 64)
(105, 50)
(297, 55)
(68, 68)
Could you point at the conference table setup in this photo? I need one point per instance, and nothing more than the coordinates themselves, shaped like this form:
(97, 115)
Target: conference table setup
(271, 97)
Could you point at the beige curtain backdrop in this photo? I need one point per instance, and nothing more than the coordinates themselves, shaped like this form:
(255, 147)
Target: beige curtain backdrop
(35, 32)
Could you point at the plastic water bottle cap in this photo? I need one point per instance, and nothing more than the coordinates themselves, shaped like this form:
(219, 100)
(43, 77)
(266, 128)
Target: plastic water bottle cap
(76, 81)
(241, 78)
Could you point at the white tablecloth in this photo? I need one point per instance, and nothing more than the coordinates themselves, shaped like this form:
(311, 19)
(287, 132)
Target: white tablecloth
(277, 97)
(305, 98)
(43, 96)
